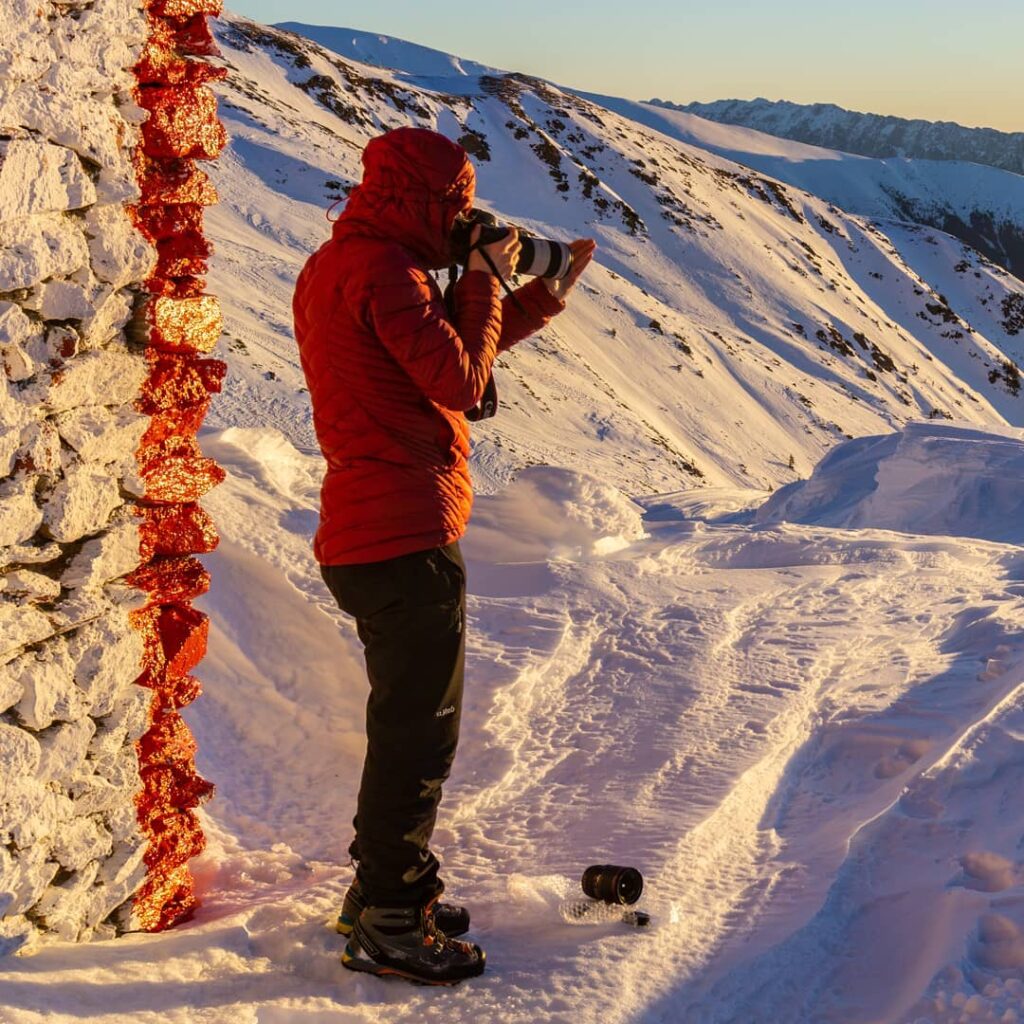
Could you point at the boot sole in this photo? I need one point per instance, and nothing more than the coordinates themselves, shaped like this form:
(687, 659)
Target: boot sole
(352, 957)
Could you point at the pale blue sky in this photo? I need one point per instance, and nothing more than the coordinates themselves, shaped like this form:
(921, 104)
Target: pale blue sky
(941, 60)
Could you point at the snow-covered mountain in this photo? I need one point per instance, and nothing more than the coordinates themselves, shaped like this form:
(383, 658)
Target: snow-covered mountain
(966, 181)
(982, 206)
(878, 135)
(732, 330)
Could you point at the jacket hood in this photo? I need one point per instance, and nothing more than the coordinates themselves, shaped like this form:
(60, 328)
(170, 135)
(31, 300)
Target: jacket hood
(415, 182)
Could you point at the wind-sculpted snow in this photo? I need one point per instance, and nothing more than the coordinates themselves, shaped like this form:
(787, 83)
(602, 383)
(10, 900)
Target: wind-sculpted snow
(925, 479)
(805, 736)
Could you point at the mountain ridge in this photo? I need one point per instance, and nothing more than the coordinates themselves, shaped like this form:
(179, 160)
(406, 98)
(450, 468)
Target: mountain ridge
(715, 287)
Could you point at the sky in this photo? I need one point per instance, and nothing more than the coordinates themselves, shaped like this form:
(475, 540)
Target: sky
(937, 59)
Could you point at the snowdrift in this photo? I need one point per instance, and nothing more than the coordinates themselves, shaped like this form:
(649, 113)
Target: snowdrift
(927, 479)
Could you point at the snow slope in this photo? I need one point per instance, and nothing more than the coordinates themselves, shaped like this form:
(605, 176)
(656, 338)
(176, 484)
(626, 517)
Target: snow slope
(967, 181)
(714, 288)
(806, 735)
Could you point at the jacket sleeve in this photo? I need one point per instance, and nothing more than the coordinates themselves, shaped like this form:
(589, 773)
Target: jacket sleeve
(450, 363)
(540, 306)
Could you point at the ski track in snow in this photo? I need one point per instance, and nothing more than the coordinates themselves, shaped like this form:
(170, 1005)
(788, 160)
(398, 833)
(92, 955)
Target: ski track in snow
(771, 721)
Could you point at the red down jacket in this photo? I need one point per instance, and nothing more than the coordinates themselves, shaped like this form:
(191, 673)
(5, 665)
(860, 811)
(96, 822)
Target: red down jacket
(389, 375)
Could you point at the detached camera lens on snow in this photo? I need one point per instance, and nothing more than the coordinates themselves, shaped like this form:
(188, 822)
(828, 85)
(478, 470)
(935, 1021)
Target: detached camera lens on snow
(611, 883)
(538, 257)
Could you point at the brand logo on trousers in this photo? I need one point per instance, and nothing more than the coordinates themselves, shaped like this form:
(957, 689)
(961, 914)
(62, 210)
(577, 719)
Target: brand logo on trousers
(450, 710)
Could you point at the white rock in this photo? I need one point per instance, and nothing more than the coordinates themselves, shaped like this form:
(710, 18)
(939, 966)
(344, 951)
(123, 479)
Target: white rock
(65, 300)
(30, 555)
(132, 712)
(10, 691)
(80, 842)
(119, 253)
(91, 126)
(78, 607)
(110, 313)
(119, 877)
(21, 625)
(7, 874)
(103, 435)
(112, 554)
(18, 937)
(33, 249)
(20, 752)
(17, 363)
(63, 750)
(30, 872)
(39, 450)
(54, 347)
(121, 771)
(113, 373)
(37, 177)
(81, 503)
(63, 908)
(15, 327)
(20, 517)
(33, 586)
(93, 794)
(50, 693)
(108, 658)
(25, 50)
(123, 822)
(32, 813)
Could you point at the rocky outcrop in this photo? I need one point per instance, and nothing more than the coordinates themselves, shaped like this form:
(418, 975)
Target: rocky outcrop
(103, 331)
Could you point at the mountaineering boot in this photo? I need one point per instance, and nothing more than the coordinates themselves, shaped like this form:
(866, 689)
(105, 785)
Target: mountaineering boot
(405, 941)
(450, 919)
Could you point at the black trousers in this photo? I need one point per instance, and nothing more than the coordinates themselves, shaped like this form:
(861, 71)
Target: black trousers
(410, 615)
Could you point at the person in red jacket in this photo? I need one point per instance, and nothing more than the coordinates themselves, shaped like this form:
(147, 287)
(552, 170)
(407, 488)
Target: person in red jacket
(391, 372)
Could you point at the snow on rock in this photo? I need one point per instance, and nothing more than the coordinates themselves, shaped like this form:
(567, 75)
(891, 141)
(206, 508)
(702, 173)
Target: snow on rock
(927, 478)
(81, 504)
(49, 691)
(39, 248)
(115, 373)
(39, 177)
(20, 517)
(104, 652)
(106, 557)
(100, 434)
(118, 253)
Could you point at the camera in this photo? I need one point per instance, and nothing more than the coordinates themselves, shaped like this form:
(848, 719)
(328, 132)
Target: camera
(538, 257)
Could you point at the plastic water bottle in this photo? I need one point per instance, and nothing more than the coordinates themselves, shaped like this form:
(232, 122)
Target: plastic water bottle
(597, 912)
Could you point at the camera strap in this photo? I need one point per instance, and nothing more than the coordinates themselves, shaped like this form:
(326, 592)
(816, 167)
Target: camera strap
(494, 270)
(488, 404)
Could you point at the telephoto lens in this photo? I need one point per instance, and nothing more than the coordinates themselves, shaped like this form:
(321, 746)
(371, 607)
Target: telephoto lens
(612, 883)
(538, 257)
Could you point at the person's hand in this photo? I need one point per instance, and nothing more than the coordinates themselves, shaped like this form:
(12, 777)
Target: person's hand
(504, 253)
(582, 254)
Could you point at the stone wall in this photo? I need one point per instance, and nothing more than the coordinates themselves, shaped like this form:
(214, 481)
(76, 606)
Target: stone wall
(103, 328)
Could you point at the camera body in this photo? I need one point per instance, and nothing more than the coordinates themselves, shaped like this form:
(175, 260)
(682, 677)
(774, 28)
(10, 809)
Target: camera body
(538, 257)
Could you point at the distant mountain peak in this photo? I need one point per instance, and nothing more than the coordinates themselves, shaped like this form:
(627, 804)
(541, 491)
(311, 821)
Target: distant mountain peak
(874, 135)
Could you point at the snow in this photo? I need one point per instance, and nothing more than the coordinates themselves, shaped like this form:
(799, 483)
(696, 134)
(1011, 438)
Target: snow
(927, 479)
(794, 704)
(821, 821)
